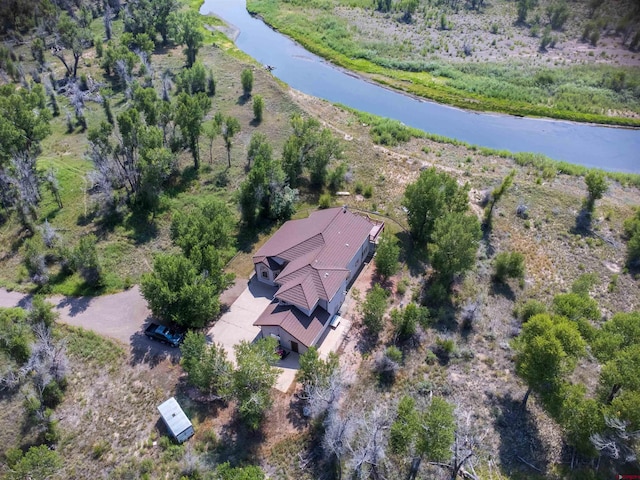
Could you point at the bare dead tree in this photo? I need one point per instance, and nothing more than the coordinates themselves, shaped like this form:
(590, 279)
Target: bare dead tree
(51, 181)
(339, 431)
(617, 443)
(368, 450)
(167, 85)
(108, 14)
(466, 446)
(323, 394)
(19, 187)
(125, 76)
(49, 234)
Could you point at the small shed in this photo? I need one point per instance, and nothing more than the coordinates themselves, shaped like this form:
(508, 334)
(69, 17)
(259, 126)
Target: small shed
(176, 421)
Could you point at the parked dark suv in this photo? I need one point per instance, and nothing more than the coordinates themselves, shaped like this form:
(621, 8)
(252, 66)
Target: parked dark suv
(164, 334)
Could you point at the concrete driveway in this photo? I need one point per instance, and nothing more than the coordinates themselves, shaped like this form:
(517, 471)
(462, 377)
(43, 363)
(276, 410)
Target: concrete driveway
(237, 324)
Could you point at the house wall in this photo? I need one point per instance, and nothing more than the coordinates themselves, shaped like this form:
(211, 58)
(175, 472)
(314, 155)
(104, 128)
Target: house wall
(358, 258)
(261, 270)
(285, 338)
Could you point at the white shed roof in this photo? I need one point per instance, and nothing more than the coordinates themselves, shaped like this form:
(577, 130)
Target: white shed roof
(174, 417)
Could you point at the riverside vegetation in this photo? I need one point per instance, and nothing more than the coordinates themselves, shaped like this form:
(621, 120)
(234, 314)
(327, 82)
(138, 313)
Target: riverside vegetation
(141, 158)
(481, 55)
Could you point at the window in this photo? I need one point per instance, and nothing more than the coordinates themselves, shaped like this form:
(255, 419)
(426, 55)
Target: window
(265, 274)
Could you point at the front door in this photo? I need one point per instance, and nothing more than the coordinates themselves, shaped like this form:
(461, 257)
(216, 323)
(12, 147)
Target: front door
(294, 347)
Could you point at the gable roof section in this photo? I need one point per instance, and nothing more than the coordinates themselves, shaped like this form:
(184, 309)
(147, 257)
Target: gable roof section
(318, 250)
(303, 328)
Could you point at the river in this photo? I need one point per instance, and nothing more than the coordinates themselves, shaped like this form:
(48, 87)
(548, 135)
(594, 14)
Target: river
(609, 148)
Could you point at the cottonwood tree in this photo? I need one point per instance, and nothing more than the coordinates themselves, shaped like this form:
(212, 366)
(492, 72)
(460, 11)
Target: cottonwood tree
(38, 463)
(176, 291)
(596, 187)
(229, 128)
(265, 192)
(184, 28)
(547, 350)
(258, 108)
(70, 36)
(454, 244)
(24, 123)
(211, 130)
(426, 432)
(496, 195)
(405, 320)
(210, 223)
(308, 147)
(190, 112)
(207, 366)
(387, 254)
(34, 260)
(429, 198)
(254, 378)
(373, 309)
(246, 78)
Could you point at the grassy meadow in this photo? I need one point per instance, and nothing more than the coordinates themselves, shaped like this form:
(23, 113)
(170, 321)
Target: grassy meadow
(480, 60)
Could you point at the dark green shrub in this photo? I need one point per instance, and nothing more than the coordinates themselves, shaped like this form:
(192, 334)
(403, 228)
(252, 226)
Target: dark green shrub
(531, 308)
(325, 201)
(509, 265)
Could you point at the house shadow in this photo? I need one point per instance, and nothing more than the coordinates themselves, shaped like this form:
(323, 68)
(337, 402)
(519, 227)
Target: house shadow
(259, 289)
(520, 438)
(76, 305)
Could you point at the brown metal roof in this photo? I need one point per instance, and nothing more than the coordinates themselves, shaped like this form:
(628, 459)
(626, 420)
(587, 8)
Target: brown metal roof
(300, 326)
(318, 249)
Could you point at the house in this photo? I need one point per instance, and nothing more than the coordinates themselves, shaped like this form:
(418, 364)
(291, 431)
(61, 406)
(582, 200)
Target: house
(312, 261)
(176, 420)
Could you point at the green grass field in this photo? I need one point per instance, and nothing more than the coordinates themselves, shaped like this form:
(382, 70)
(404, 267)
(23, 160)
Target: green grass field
(519, 86)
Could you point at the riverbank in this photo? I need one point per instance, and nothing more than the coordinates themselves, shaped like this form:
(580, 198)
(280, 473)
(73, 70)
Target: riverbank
(576, 92)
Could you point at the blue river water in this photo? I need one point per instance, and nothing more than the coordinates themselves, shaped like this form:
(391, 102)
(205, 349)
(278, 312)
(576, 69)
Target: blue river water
(609, 148)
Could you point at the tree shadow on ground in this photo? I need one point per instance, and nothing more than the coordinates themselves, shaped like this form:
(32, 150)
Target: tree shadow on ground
(238, 444)
(181, 182)
(583, 223)
(502, 289)
(144, 228)
(76, 305)
(487, 230)
(296, 415)
(243, 99)
(520, 439)
(367, 341)
(413, 257)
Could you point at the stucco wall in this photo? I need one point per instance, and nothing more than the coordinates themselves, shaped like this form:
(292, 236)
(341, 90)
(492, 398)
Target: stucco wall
(260, 269)
(285, 338)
